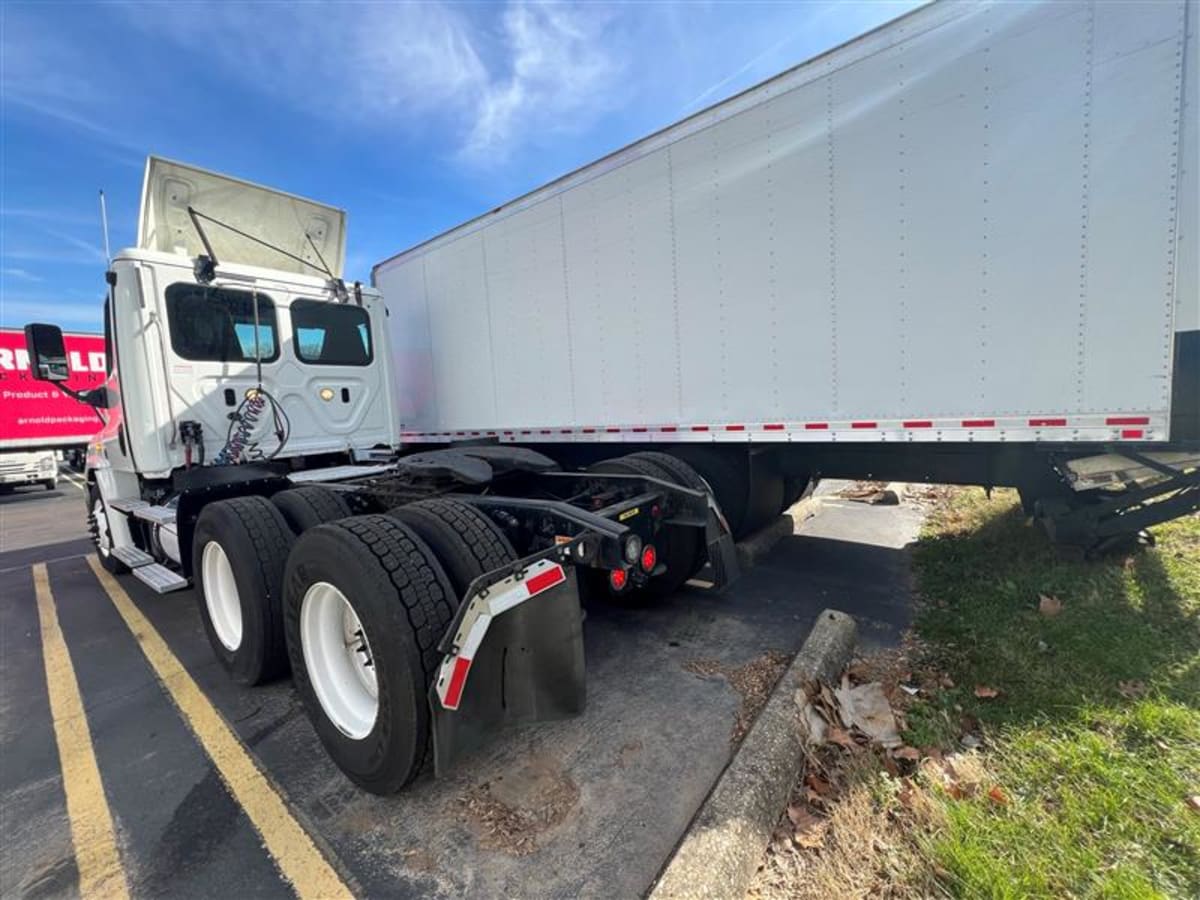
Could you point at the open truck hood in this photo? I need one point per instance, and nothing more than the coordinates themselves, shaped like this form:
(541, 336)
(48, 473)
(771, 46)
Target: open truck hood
(273, 216)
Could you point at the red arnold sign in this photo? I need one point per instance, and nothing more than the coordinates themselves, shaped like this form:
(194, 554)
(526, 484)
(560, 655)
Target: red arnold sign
(37, 413)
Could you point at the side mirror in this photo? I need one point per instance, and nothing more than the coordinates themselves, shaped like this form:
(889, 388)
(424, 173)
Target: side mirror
(47, 353)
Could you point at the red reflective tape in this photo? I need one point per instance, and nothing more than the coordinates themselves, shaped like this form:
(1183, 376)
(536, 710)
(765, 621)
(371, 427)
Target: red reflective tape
(669, 429)
(735, 427)
(816, 426)
(1132, 433)
(863, 425)
(640, 429)
(475, 434)
(699, 428)
(547, 431)
(1047, 423)
(526, 432)
(543, 581)
(612, 430)
(509, 433)
(774, 426)
(978, 423)
(589, 431)
(918, 423)
(1127, 420)
(458, 678)
(491, 434)
(564, 431)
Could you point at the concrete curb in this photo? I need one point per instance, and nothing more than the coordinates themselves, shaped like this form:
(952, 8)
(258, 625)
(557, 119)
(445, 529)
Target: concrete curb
(722, 847)
(751, 550)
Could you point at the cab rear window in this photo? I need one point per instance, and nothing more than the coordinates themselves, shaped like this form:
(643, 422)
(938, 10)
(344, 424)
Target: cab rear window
(209, 324)
(331, 334)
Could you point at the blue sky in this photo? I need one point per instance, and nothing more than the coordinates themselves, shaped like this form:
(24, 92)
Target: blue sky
(411, 117)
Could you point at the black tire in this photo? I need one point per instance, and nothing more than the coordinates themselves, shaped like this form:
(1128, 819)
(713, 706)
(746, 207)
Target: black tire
(465, 541)
(677, 546)
(682, 474)
(307, 507)
(404, 603)
(794, 487)
(766, 496)
(726, 472)
(107, 560)
(256, 540)
(50, 485)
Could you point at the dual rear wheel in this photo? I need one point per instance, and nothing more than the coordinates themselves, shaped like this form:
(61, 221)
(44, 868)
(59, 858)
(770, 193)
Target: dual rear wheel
(356, 605)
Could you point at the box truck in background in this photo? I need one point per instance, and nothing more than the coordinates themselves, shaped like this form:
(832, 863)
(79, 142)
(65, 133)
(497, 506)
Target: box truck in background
(37, 421)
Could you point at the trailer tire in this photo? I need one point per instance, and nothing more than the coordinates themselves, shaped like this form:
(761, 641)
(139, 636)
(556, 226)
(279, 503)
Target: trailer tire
(683, 475)
(728, 478)
(239, 551)
(403, 603)
(310, 506)
(676, 545)
(794, 487)
(766, 497)
(466, 542)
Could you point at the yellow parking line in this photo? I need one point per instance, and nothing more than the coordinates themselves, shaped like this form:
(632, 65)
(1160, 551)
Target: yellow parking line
(289, 844)
(96, 856)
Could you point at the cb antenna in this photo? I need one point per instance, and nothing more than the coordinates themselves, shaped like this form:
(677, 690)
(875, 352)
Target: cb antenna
(104, 227)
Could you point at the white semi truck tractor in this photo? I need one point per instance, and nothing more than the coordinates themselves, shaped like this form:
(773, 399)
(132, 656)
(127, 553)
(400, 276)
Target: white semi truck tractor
(962, 248)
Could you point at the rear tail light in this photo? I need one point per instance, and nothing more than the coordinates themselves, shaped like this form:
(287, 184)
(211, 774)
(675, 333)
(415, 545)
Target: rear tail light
(617, 579)
(649, 558)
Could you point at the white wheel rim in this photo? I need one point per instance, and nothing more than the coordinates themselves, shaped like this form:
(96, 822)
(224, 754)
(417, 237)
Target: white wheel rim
(339, 660)
(100, 517)
(221, 596)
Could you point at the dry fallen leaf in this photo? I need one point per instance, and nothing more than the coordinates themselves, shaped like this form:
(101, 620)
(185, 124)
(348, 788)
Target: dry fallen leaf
(909, 753)
(841, 737)
(997, 796)
(818, 784)
(1049, 605)
(983, 692)
(808, 830)
(1194, 802)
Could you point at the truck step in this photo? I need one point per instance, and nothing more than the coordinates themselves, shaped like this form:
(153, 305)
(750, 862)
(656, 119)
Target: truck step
(159, 577)
(133, 557)
(159, 515)
(127, 504)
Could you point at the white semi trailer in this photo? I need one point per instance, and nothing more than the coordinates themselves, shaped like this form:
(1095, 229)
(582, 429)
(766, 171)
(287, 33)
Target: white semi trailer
(960, 248)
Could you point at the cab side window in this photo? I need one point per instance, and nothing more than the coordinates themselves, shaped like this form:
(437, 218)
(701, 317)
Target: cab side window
(331, 334)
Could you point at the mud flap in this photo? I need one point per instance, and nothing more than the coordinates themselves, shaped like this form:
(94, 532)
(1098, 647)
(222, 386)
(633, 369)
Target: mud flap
(516, 657)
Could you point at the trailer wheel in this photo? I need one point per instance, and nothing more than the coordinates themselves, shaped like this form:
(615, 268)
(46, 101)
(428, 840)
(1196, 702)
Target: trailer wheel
(685, 476)
(365, 604)
(101, 533)
(794, 487)
(677, 546)
(728, 477)
(766, 496)
(309, 506)
(239, 551)
(466, 542)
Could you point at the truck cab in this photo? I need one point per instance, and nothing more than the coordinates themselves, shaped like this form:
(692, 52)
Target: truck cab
(230, 337)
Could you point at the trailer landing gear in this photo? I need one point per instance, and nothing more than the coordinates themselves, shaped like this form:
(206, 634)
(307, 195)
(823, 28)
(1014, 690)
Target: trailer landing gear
(1101, 521)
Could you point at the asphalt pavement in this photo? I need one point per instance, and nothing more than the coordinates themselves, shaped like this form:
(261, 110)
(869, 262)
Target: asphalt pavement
(184, 760)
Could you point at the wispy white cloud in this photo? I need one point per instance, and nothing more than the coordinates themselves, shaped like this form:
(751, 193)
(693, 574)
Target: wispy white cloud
(15, 312)
(19, 274)
(559, 67)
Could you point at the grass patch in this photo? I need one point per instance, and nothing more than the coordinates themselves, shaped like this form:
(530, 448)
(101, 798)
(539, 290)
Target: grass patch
(1095, 734)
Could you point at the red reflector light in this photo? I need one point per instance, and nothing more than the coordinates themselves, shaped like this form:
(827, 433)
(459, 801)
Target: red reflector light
(617, 579)
(1132, 433)
(649, 558)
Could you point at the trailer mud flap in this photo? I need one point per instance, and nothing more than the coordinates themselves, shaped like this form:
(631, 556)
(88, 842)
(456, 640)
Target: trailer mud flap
(516, 657)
